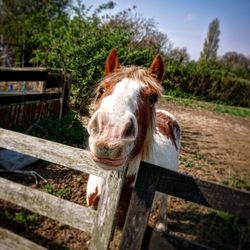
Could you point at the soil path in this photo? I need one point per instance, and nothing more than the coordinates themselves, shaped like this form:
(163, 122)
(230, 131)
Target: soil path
(220, 137)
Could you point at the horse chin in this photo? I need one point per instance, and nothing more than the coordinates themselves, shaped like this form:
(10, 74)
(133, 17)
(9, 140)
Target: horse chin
(109, 164)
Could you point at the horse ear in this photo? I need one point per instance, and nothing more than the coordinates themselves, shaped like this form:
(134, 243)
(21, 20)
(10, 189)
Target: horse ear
(157, 68)
(112, 62)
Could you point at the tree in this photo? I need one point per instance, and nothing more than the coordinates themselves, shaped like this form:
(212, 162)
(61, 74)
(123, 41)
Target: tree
(211, 43)
(22, 21)
(239, 64)
(143, 31)
(179, 54)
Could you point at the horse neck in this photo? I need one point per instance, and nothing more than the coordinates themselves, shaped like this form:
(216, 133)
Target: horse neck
(145, 153)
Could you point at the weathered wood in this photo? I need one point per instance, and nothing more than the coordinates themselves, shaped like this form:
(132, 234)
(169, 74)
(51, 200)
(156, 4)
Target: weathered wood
(54, 80)
(155, 240)
(65, 96)
(205, 193)
(9, 99)
(23, 74)
(10, 241)
(104, 223)
(48, 205)
(64, 155)
(140, 207)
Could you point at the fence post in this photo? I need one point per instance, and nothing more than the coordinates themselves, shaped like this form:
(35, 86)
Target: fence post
(140, 207)
(105, 219)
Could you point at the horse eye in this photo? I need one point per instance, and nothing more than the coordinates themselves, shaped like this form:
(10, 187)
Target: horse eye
(153, 98)
(101, 90)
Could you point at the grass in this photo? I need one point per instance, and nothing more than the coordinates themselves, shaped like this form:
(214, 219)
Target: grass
(26, 218)
(187, 163)
(62, 193)
(236, 182)
(69, 130)
(192, 102)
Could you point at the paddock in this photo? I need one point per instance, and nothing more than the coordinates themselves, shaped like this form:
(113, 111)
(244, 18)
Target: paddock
(100, 224)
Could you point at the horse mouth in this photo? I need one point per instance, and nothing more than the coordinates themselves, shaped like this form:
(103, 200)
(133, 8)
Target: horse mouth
(109, 162)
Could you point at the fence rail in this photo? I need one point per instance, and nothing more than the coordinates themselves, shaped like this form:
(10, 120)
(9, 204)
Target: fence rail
(153, 178)
(10, 241)
(99, 223)
(48, 205)
(25, 107)
(74, 158)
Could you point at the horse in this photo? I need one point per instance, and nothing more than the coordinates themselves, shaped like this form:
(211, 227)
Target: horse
(126, 128)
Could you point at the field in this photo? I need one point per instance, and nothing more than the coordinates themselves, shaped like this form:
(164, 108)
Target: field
(215, 147)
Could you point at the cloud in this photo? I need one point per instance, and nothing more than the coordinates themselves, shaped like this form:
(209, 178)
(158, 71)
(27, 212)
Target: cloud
(191, 17)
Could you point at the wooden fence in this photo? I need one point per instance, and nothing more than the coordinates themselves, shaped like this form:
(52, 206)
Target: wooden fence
(151, 178)
(24, 108)
(100, 223)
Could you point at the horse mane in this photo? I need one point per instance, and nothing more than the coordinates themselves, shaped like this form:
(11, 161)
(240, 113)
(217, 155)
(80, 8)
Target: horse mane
(139, 74)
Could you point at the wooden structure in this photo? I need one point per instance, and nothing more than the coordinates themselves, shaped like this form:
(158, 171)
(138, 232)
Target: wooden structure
(151, 178)
(24, 108)
(100, 223)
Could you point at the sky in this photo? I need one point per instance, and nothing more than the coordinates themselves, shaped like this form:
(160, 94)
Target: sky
(186, 21)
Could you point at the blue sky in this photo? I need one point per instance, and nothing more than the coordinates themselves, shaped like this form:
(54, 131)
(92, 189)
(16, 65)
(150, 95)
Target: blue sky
(186, 21)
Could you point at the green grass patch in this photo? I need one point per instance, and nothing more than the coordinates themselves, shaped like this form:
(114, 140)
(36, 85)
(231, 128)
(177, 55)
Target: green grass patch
(62, 193)
(26, 218)
(187, 163)
(69, 130)
(236, 111)
(235, 181)
(192, 102)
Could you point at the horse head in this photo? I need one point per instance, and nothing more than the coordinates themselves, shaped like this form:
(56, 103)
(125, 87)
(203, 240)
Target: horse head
(124, 119)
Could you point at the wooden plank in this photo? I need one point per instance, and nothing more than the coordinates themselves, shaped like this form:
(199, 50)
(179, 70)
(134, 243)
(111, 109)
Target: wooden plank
(10, 99)
(155, 240)
(65, 97)
(1, 114)
(108, 203)
(20, 115)
(10, 241)
(23, 74)
(54, 80)
(140, 207)
(54, 152)
(48, 205)
(206, 193)
(17, 112)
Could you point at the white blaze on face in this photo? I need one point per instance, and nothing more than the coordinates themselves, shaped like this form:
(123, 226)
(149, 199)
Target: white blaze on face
(113, 128)
(122, 101)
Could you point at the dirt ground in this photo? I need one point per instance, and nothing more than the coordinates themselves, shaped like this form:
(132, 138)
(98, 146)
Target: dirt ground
(215, 147)
(221, 138)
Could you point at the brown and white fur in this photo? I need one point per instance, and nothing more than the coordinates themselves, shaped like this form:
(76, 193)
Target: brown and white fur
(126, 128)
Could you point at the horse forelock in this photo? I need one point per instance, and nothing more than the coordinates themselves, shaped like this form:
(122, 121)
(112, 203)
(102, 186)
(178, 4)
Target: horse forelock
(138, 74)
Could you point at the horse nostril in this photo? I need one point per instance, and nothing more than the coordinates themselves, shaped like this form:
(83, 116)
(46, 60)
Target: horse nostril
(129, 130)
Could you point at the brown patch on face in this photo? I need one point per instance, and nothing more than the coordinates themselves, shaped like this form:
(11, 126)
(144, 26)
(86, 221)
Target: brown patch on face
(167, 126)
(93, 199)
(150, 91)
(126, 194)
(105, 89)
(145, 118)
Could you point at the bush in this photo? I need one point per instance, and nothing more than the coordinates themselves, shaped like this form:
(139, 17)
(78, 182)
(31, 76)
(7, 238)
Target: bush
(210, 80)
(79, 46)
